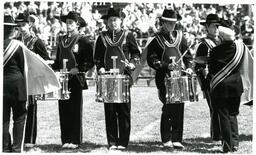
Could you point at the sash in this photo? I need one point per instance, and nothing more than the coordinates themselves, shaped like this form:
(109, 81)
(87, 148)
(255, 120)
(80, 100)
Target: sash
(9, 51)
(122, 40)
(225, 72)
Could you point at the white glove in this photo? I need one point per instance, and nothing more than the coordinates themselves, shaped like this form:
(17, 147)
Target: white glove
(131, 66)
(102, 70)
(189, 71)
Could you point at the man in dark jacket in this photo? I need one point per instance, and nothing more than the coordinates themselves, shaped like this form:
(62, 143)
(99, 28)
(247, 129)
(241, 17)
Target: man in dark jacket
(226, 85)
(121, 43)
(79, 54)
(169, 43)
(14, 90)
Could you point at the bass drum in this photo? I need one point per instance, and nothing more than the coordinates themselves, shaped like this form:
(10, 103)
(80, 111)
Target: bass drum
(112, 89)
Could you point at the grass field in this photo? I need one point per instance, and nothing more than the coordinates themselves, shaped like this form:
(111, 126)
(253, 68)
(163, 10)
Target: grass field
(145, 126)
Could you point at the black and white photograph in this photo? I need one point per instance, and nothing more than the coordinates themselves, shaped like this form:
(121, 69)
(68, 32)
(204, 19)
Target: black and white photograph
(127, 77)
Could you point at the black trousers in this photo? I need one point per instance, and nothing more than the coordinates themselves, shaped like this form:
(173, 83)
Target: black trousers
(215, 131)
(118, 123)
(171, 125)
(31, 123)
(228, 109)
(70, 112)
(214, 117)
(18, 109)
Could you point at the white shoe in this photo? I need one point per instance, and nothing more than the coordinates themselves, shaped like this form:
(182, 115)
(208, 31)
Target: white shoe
(120, 147)
(113, 147)
(178, 145)
(66, 145)
(72, 146)
(168, 144)
(218, 143)
(29, 145)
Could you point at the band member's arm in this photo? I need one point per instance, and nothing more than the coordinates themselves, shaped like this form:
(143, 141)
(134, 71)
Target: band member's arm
(99, 53)
(40, 49)
(153, 58)
(134, 49)
(202, 51)
(188, 56)
(85, 57)
(56, 65)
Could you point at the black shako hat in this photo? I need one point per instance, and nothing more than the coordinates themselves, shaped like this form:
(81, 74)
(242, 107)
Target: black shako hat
(169, 15)
(9, 21)
(74, 16)
(112, 13)
(211, 18)
(21, 18)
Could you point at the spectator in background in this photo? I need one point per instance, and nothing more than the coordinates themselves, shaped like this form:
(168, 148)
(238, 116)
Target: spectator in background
(247, 31)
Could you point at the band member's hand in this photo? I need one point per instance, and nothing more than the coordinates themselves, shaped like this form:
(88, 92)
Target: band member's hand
(189, 71)
(102, 70)
(131, 66)
(49, 62)
(74, 71)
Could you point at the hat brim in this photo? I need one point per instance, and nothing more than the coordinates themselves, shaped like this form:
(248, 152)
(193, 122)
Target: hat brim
(11, 24)
(169, 19)
(204, 23)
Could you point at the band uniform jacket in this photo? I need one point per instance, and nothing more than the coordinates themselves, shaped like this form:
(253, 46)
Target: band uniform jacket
(232, 85)
(36, 45)
(79, 52)
(156, 54)
(14, 78)
(121, 44)
(203, 50)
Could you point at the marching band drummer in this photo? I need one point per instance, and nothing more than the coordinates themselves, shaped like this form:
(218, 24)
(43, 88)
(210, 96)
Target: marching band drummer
(121, 43)
(78, 51)
(203, 51)
(36, 45)
(166, 43)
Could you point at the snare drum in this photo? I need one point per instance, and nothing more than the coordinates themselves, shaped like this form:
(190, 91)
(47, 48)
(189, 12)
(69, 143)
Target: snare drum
(181, 89)
(113, 89)
(61, 94)
(176, 89)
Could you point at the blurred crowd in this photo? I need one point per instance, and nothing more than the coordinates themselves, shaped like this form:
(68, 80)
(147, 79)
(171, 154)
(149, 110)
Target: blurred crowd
(140, 18)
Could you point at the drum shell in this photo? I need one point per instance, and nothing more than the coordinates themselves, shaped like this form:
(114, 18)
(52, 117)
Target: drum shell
(181, 89)
(177, 90)
(113, 89)
(193, 84)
